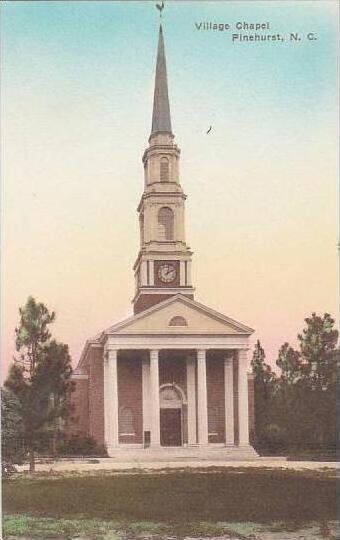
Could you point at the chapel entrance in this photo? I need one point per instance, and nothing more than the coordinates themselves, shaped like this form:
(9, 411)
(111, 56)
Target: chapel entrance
(170, 416)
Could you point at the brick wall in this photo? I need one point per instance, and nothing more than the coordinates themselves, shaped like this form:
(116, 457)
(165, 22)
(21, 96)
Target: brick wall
(146, 301)
(78, 421)
(130, 399)
(96, 395)
(216, 402)
(172, 369)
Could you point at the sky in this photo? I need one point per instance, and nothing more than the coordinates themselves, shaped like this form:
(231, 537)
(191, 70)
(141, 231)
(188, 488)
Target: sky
(261, 213)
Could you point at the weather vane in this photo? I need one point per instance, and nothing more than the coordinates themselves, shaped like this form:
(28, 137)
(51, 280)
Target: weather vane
(160, 7)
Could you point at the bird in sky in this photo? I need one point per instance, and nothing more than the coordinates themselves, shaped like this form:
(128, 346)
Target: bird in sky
(209, 130)
(160, 7)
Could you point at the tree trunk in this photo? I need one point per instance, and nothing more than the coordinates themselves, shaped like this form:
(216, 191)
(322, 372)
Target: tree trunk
(54, 443)
(32, 462)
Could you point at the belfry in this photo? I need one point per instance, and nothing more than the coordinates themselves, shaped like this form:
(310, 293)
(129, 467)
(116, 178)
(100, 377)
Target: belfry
(174, 374)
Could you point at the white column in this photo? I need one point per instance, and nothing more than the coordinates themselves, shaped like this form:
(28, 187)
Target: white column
(182, 273)
(152, 272)
(191, 394)
(229, 400)
(189, 282)
(111, 399)
(243, 420)
(146, 393)
(202, 402)
(181, 223)
(154, 393)
(144, 279)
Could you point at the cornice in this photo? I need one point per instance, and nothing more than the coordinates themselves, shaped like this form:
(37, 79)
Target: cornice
(160, 194)
(182, 255)
(160, 149)
(152, 289)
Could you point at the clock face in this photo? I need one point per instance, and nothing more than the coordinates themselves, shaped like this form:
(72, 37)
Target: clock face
(167, 273)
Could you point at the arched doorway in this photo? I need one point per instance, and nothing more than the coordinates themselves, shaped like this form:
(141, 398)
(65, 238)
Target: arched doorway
(171, 415)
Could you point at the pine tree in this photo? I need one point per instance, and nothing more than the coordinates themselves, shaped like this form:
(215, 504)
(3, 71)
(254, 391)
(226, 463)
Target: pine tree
(12, 427)
(289, 362)
(263, 373)
(40, 378)
(319, 368)
(317, 345)
(264, 388)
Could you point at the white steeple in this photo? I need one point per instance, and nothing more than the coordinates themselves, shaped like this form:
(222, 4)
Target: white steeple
(163, 265)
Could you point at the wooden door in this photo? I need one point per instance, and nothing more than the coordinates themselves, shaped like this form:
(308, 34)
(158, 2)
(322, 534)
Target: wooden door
(171, 427)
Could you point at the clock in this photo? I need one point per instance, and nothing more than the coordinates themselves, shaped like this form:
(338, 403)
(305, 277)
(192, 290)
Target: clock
(167, 273)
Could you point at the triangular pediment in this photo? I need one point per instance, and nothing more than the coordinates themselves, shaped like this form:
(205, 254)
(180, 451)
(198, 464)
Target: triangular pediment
(179, 315)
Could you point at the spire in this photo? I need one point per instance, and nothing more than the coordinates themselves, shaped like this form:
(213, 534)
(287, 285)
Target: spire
(161, 110)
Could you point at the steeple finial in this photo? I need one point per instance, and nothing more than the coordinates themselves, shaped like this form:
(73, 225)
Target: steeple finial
(161, 110)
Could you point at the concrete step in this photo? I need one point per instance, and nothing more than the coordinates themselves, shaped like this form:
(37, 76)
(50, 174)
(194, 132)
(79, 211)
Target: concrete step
(172, 454)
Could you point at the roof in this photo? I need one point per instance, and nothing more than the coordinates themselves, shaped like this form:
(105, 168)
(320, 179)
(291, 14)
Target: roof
(161, 120)
(155, 321)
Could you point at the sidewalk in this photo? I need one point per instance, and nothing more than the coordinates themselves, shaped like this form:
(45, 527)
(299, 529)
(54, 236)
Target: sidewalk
(134, 461)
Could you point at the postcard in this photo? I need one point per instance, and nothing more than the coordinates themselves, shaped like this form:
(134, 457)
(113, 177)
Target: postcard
(169, 269)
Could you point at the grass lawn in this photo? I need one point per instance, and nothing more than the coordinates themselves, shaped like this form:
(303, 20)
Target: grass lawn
(192, 502)
(116, 530)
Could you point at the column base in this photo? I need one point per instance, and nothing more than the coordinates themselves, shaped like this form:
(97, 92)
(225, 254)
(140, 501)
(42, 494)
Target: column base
(248, 449)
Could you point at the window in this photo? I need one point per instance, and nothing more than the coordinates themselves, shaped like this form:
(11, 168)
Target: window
(215, 416)
(178, 321)
(141, 228)
(126, 420)
(165, 224)
(170, 398)
(164, 170)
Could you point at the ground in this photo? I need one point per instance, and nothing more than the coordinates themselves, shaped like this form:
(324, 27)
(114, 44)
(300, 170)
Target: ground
(236, 502)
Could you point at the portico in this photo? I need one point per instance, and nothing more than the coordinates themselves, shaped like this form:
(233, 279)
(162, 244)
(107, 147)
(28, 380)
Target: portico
(191, 401)
(194, 382)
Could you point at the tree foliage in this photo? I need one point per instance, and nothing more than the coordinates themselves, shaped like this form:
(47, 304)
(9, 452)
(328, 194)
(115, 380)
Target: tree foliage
(32, 333)
(296, 409)
(289, 362)
(264, 380)
(317, 344)
(40, 378)
(12, 427)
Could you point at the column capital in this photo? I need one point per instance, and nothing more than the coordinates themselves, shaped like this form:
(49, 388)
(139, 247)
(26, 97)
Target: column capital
(154, 353)
(201, 354)
(229, 356)
(243, 360)
(110, 354)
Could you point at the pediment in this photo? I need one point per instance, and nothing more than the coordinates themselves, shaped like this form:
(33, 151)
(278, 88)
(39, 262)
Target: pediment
(179, 315)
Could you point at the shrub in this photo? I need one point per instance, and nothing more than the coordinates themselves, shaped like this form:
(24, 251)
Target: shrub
(80, 445)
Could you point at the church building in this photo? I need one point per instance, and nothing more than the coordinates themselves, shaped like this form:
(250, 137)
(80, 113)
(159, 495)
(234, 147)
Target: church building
(174, 374)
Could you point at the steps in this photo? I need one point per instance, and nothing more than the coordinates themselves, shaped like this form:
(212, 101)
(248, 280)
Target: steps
(176, 454)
